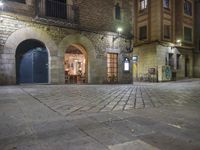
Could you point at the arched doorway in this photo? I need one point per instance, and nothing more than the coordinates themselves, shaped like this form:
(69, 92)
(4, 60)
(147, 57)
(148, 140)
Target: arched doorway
(31, 62)
(75, 61)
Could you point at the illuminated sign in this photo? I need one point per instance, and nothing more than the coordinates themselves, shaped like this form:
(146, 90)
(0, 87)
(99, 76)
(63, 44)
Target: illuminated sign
(135, 58)
(126, 64)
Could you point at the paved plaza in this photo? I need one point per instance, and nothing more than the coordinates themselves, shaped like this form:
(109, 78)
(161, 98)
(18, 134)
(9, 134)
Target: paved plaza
(141, 116)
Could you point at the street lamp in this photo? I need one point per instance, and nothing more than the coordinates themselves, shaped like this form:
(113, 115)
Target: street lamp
(119, 30)
(178, 41)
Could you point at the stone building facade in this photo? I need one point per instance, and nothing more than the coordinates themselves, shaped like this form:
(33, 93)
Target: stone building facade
(164, 39)
(36, 34)
(197, 40)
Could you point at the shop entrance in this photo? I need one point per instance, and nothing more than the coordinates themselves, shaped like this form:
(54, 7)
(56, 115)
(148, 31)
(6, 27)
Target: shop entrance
(75, 61)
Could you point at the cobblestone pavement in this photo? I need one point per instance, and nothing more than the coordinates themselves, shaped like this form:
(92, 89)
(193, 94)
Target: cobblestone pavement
(143, 116)
(68, 99)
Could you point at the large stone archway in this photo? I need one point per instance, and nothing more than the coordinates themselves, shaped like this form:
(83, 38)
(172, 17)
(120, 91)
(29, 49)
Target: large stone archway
(32, 65)
(24, 34)
(84, 42)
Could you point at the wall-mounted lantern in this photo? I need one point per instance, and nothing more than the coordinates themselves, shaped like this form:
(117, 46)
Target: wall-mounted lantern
(179, 42)
(129, 47)
(119, 31)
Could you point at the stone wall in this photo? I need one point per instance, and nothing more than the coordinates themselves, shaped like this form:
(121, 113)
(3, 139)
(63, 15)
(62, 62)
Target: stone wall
(162, 55)
(154, 55)
(95, 32)
(98, 15)
(27, 9)
(152, 52)
(197, 41)
(15, 29)
(146, 58)
(197, 65)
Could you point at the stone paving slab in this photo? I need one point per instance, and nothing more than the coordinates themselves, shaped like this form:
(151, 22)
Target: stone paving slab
(69, 99)
(100, 117)
(135, 145)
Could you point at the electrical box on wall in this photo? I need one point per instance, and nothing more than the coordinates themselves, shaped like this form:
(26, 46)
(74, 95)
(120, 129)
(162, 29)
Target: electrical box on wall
(164, 73)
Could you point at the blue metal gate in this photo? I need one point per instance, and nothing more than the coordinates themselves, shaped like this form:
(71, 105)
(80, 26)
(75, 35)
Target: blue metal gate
(33, 66)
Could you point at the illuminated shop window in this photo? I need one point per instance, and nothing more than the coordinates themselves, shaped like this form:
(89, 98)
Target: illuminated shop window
(126, 64)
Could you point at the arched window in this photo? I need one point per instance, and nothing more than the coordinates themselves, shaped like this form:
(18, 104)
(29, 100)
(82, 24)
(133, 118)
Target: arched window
(117, 12)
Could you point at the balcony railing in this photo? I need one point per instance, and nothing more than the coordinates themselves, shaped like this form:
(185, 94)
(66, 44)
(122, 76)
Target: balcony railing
(57, 10)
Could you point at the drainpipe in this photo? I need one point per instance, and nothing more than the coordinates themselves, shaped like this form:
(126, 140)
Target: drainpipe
(36, 8)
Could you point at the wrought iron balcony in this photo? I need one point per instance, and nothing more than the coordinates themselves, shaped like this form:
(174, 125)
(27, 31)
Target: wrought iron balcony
(57, 10)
